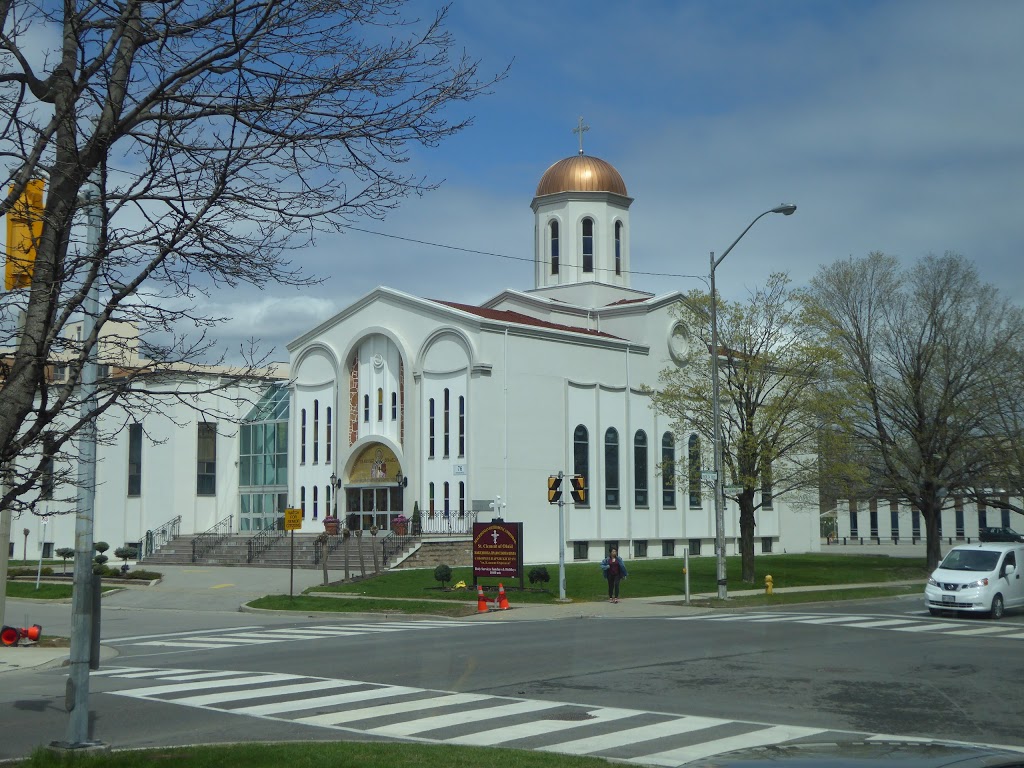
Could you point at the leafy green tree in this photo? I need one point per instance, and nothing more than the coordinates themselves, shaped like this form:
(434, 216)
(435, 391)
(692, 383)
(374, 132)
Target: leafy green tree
(771, 397)
(929, 360)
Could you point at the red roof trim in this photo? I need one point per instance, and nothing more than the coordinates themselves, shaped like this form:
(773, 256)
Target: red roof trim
(518, 318)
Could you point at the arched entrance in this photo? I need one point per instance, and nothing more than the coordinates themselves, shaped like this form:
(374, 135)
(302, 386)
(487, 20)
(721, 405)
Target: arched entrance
(373, 495)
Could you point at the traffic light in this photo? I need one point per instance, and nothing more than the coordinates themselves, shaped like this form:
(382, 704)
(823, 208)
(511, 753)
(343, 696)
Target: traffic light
(579, 489)
(554, 489)
(24, 228)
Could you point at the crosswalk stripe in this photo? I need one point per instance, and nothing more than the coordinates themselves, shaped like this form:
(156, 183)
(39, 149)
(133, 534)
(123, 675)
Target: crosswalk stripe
(928, 627)
(634, 735)
(256, 679)
(318, 702)
(402, 707)
(835, 619)
(207, 699)
(772, 735)
(977, 631)
(133, 638)
(509, 733)
(411, 727)
(881, 623)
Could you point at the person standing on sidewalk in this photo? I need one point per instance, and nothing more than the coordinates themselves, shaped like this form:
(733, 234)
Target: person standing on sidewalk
(614, 570)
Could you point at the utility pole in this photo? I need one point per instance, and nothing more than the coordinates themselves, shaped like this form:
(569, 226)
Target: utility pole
(77, 695)
(561, 541)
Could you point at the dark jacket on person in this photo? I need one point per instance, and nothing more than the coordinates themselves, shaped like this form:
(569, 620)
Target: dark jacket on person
(606, 567)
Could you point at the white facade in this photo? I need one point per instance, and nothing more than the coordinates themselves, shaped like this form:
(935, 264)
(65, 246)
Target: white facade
(464, 404)
(472, 403)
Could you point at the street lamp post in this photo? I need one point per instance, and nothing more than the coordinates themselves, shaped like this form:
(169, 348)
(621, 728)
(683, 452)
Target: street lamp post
(786, 210)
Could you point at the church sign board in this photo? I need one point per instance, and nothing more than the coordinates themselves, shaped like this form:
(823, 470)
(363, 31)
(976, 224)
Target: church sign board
(498, 550)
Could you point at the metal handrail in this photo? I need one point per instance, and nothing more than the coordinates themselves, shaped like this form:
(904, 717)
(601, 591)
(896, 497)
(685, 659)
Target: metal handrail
(331, 543)
(450, 524)
(262, 541)
(394, 543)
(208, 540)
(157, 537)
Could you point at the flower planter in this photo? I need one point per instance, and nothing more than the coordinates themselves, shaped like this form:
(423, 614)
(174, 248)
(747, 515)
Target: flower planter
(332, 526)
(400, 529)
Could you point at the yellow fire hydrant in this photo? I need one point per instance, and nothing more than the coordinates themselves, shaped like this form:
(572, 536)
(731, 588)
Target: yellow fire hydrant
(768, 585)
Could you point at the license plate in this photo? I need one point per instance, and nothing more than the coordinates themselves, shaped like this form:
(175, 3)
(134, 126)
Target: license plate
(949, 598)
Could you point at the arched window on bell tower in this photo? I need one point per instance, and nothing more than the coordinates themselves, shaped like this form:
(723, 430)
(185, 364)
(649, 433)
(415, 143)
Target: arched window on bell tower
(588, 245)
(618, 247)
(553, 240)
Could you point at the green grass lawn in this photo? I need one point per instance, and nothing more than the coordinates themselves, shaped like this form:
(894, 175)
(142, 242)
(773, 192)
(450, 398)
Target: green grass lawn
(28, 589)
(649, 578)
(324, 754)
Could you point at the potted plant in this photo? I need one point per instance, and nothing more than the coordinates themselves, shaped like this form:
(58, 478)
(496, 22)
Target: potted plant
(331, 525)
(400, 524)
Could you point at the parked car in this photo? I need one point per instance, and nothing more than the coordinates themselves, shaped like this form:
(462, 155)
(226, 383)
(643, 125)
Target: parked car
(978, 578)
(999, 534)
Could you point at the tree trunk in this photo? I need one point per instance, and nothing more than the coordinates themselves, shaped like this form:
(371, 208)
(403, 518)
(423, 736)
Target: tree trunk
(746, 500)
(933, 541)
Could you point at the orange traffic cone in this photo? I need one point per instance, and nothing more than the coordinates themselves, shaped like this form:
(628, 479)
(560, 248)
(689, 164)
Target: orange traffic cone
(481, 601)
(502, 600)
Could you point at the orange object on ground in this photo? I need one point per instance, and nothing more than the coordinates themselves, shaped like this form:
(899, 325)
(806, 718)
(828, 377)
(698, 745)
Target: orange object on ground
(502, 599)
(481, 601)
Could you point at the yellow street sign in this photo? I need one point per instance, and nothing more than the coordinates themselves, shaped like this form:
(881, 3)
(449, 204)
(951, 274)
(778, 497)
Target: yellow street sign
(292, 519)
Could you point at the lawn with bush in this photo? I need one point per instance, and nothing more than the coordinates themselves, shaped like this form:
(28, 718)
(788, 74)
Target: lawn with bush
(647, 578)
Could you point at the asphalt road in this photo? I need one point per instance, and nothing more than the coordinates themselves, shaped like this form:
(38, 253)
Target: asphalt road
(855, 669)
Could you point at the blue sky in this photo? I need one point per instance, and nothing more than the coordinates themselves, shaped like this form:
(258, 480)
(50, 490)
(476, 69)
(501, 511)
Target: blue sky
(894, 126)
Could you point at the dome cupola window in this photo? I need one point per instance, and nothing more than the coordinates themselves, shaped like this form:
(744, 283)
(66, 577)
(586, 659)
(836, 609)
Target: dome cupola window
(588, 245)
(618, 247)
(553, 239)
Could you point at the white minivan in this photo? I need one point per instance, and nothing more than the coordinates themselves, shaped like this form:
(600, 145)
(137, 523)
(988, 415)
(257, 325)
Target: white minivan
(984, 578)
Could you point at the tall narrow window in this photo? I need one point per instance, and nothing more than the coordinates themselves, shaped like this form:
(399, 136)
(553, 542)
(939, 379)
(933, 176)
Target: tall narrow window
(134, 459)
(668, 470)
(640, 468)
(693, 476)
(611, 467)
(618, 247)
(316, 431)
(447, 499)
(380, 404)
(982, 515)
(854, 523)
(553, 230)
(767, 498)
(894, 519)
(462, 499)
(915, 523)
(447, 397)
(1004, 515)
(588, 245)
(430, 431)
(316, 497)
(47, 482)
(327, 435)
(958, 513)
(394, 406)
(206, 465)
(462, 426)
(581, 457)
(302, 501)
(302, 437)
(366, 409)
(327, 502)
(430, 498)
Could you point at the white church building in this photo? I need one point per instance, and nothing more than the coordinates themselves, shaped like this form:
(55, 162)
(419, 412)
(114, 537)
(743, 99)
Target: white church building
(472, 408)
(463, 411)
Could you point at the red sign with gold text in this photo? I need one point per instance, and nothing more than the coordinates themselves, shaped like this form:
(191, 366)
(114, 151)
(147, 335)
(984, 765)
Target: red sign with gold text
(497, 549)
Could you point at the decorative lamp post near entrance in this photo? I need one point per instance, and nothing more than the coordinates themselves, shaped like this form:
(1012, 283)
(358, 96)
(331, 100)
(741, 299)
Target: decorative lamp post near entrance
(785, 210)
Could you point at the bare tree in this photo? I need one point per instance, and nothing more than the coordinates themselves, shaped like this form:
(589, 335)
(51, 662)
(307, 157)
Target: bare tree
(771, 403)
(926, 354)
(215, 137)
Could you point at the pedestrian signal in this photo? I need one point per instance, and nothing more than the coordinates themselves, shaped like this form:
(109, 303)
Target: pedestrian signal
(554, 489)
(579, 489)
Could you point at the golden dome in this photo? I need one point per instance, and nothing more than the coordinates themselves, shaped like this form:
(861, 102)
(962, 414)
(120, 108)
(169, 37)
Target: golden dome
(581, 173)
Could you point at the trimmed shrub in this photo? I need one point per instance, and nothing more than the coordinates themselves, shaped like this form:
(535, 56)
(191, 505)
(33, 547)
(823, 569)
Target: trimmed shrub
(539, 574)
(443, 574)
